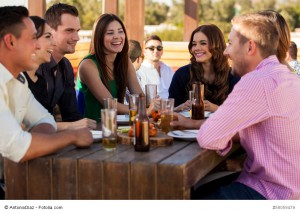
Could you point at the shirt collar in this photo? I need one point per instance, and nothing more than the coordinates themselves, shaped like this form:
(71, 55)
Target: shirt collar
(147, 63)
(269, 60)
(46, 66)
(52, 63)
(5, 74)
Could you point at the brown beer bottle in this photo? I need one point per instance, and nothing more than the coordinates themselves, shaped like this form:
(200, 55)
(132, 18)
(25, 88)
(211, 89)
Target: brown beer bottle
(141, 127)
(198, 103)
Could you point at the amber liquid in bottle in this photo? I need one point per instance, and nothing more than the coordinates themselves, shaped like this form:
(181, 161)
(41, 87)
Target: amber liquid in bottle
(198, 104)
(141, 128)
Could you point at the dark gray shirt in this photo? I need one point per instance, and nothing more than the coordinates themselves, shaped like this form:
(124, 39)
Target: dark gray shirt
(55, 86)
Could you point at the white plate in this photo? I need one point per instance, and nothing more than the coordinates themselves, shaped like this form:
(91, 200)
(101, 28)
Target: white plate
(97, 135)
(189, 135)
(123, 118)
(187, 114)
(207, 114)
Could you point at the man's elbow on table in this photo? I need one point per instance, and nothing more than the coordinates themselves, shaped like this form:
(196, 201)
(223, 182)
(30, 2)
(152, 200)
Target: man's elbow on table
(211, 142)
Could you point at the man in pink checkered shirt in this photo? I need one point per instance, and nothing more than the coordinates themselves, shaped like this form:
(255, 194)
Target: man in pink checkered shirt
(261, 110)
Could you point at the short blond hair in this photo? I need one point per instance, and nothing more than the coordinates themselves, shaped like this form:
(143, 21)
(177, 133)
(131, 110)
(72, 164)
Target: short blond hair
(258, 28)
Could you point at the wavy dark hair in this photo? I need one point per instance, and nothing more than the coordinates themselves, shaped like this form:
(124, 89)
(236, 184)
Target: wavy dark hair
(39, 24)
(218, 91)
(121, 61)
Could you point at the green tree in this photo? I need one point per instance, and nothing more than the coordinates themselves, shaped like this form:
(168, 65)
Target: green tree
(264, 5)
(156, 13)
(224, 10)
(206, 11)
(175, 15)
(246, 6)
(89, 10)
(291, 12)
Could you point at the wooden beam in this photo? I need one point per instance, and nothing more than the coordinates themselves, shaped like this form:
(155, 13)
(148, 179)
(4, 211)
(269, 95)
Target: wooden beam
(135, 19)
(37, 7)
(190, 18)
(110, 6)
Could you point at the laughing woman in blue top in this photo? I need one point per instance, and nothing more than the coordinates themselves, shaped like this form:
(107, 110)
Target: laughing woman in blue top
(208, 65)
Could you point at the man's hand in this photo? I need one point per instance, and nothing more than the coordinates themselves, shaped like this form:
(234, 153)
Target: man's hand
(84, 138)
(83, 123)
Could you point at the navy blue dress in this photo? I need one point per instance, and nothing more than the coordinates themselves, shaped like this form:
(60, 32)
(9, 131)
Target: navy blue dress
(179, 86)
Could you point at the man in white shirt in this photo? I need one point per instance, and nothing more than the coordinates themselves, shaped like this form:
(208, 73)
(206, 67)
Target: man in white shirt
(27, 130)
(154, 71)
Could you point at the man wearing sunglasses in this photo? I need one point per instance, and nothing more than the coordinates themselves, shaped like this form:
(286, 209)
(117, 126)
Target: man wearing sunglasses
(154, 71)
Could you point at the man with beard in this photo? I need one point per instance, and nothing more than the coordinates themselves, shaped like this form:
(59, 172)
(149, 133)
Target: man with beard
(260, 111)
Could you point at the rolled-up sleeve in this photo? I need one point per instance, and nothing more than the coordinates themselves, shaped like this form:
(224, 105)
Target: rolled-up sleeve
(14, 142)
(18, 106)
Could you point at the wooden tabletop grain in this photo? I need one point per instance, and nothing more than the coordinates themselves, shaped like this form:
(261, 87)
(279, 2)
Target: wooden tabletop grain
(92, 173)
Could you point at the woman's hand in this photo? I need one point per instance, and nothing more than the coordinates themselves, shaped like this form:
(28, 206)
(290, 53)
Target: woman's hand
(79, 124)
(184, 106)
(208, 106)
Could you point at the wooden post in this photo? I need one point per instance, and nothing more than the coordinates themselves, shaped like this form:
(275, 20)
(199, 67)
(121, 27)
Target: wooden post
(110, 6)
(135, 19)
(37, 7)
(190, 18)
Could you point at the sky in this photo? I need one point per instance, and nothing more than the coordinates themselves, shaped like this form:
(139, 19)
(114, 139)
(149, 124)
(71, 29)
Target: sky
(167, 2)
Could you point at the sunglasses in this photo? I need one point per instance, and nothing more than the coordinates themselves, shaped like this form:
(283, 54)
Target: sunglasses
(158, 48)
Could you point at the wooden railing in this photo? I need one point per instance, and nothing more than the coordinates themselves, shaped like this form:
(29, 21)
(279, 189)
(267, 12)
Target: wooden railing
(176, 54)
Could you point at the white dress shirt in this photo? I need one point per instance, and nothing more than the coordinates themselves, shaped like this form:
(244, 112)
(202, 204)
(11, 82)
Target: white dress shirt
(149, 75)
(18, 106)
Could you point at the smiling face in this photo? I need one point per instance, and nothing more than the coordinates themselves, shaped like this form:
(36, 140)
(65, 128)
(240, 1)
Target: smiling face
(152, 51)
(236, 53)
(114, 38)
(66, 36)
(26, 47)
(47, 45)
(200, 48)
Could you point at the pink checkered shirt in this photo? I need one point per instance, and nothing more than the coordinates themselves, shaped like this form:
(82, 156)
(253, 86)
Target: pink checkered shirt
(264, 108)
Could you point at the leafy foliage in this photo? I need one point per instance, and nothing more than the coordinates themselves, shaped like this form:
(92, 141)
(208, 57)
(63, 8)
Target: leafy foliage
(156, 13)
(170, 35)
(89, 10)
(218, 12)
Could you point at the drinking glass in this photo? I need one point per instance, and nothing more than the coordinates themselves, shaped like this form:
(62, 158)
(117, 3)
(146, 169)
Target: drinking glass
(151, 93)
(167, 109)
(133, 106)
(110, 103)
(109, 129)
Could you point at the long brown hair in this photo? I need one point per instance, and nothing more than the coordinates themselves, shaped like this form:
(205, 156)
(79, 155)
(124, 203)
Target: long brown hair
(216, 92)
(121, 61)
(283, 32)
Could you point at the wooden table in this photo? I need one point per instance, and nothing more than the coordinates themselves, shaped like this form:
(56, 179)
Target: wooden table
(92, 173)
